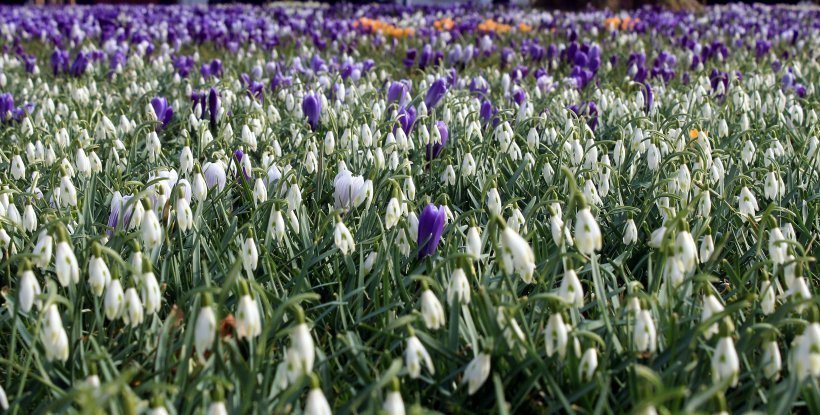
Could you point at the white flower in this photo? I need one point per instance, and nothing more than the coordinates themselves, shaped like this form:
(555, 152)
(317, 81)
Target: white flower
(798, 292)
(644, 334)
(185, 217)
(459, 288)
(571, 290)
(468, 165)
(29, 219)
(474, 242)
(369, 262)
(217, 408)
(777, 246)
(806, 352)
(65, 264)
(204, 331)
(151, 296)
(747, 204)
(656, 238)
(98, 275)
(186, 160)
(477, 372)
(68, 193)
(199, 188)
(707, 247)
(151, 230)
(53, 335)
(250, 255)
(588, 364)
(133, 314)
(771, 186)
(393, 214)
(415, 355)
(517, 221)
(493, 202)
(748, 152)
(343, 239)
(260, 192)
(772, 362)
(725, 363)
(630, 232)
(301, 353)
(42, 250)
(431, 310)
(351, 191)
(588, 237)
(686, 250)
(556, 336)
(393, 403)
(113, 302)
(28, 291)
(517, 255)
(317, 403)
(767, 297)
(18, 168)
(248, 322)
(4, 400)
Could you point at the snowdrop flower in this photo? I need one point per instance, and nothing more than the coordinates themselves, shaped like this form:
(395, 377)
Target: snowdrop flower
(416, 357)
(151, 230)
(473, 247)
(517, 255)
(458, 289)
(250, 255)
(393, 403)
(217, 408)
(248, 322)
(113, 301)
(53, 335)
(686, 250)
(199, 188)
(369, 262)
(68, 193)
(65, 264)
(393, 213)
(798, 292)
(493, 202)
(771, 360)
(777, 246)
(767, 297)
(431, 310)
(28, 291)
(571, 290)
(301, 353)
(588, 237)
(29, 219)
(588, 364)
(151, 296)
(185, 217)
(556, 336)
(133, 311)
(98, 274)
(747, 203)
(18, 168)
(204, 329)
(725, 363)
(644, 335)
(707, 247)
(630, 232)
(748, 152)
(806, 352)
(343, 239)
(4, 400)
(771, 186)
(316, 402)
(477, 372)
(468, 165)
(186, 160)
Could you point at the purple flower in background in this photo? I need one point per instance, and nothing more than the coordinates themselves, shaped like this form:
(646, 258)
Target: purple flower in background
(59, 61)
(6, 106)
(213, 106)
(213, 68)
(238, 154)
(312, 109)
(431, 226)
(398, 93)
(163, 111)
(409, 58)
(648, 95)
(406, 118)
(435, 93)
(434, 149)
(183, 65)
(80, 64)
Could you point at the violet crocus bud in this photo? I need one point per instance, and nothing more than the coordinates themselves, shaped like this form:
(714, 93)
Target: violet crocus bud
(312, 109)
(431, 227)
(435, 93)
(163, 111)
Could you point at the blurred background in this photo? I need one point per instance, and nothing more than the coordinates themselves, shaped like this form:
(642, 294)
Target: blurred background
(549, 4)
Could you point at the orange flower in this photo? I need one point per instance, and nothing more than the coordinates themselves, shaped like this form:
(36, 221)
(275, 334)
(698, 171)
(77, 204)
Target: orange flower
(491, 25)
(523, 27)
(378, 26)
(444, 24)
(693, 133)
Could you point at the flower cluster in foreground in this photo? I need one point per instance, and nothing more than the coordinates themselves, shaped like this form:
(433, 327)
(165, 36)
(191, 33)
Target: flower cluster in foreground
(338, 209)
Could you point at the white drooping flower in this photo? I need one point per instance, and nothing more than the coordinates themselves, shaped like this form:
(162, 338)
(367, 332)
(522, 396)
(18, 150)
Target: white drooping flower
(588, 236)
(113, 300)
(778, 248)
(301, 353)
(707, 247)
(458, 289)
(249, 255)
(317, 403)
(65, 264)
(772, 361)
(571, 290)
(416, 357)
(392, 214)
(477, 372)
(747, 203)
(588, 364)
(151, 230)
(686, 250)
(29, 289)
(343, 239)
(630, 232)
(644, 334)
(725, 363)
(493, 202)
(806, 352)
(151, 296)
(53, 335)
(42, 250)
(186, 160)
(431, 310)
(98, 275)
(711, 306)
(204, 331)
(248, 322)
(768, 299)
(393, 403)
(556, 336)
(517, 255)
(133, 310)
(474, 242)
(185, 217)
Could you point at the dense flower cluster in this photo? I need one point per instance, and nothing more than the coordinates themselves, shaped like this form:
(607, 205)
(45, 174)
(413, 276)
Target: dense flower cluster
(338, 209)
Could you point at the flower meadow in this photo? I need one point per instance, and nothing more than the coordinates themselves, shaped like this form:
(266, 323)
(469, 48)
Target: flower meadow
(383, 209)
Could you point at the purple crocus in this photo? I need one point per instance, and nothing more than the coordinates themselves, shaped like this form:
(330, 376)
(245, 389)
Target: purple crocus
(312, 108)
(238, 154)
(398, 93)
(435, 93)
(406, 118)
(59, 61)
(434, 149)
(80, 64)
(163, 111)
(213, 106)
(431, 226)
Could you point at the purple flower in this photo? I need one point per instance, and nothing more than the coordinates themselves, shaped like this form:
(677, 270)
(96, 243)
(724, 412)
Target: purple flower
(435, 93)
(238, 154)
(433, 150)
(80, 64)
(163, 111)
(213, 106)
(648, 95)
(59, 61)
(214, 68)
(312, 108)
(431, 226)
(397, 93)
(406, 118)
